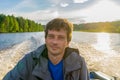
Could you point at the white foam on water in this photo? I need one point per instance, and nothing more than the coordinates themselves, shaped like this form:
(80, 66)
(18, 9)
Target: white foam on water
(98, 60)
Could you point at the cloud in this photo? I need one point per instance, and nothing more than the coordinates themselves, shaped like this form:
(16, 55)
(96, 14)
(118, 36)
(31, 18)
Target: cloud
(43, 16)
(104, 10)
(30, 6)
(77, 20)
(55, 1)
(77, 11)
(68, 5)
(76, 4)
(40, 16)
(64, 4)
(25, 4)
(79, 1)
(116, 1)
(59, 5)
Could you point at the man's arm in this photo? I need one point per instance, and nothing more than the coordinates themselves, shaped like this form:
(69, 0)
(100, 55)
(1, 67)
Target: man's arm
(84, 71)
(19, 72)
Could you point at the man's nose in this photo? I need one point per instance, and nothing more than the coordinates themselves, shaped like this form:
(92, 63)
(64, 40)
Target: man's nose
(55, 40)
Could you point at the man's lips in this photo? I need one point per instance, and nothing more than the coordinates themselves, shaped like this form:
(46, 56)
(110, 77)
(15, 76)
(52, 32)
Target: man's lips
(54, 48)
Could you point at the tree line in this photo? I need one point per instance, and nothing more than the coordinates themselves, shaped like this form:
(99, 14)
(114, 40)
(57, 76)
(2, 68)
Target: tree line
(111, 27)
(18, 24)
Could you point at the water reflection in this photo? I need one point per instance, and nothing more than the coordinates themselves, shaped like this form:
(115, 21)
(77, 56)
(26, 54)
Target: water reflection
(103, 42)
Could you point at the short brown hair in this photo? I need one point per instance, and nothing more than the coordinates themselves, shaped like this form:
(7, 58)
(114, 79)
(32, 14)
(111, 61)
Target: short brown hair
(58, 24)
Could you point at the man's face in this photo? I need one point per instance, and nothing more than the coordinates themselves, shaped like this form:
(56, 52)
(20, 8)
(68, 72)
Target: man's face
(56, 42)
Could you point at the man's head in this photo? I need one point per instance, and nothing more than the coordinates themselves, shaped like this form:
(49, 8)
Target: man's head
(60, 24)
(58, 34)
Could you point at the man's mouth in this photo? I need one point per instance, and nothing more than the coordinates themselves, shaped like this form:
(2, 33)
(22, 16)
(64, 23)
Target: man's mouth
(54, 48)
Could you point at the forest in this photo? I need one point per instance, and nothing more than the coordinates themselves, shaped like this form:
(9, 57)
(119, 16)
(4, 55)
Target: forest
(110, 27)
(18, 24)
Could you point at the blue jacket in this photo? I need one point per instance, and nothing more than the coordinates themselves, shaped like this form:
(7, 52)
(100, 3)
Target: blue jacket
(34, 66)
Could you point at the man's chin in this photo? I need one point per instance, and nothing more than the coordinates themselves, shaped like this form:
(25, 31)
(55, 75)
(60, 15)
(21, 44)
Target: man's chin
(55, 53)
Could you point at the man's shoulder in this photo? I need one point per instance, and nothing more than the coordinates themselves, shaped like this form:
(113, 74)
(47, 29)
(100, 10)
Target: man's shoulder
(69, 49)
(37, 52)
(72, 52)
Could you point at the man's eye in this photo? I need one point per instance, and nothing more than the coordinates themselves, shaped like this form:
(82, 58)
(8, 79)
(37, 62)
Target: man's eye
(50, 36)
(61, 37)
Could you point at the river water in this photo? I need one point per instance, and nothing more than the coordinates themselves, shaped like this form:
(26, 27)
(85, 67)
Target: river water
(100, 50)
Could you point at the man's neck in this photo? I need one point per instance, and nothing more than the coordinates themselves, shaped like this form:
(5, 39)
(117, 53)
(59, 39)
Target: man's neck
(55, 59)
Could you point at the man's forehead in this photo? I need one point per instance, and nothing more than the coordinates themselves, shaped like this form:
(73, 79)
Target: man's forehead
(58, 30)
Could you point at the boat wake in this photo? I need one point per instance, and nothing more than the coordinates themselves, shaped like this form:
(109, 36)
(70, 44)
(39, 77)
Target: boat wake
(96, 60)
(10, 56)
(99, 61)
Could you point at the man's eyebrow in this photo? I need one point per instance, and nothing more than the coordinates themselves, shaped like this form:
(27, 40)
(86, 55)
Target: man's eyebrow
(61, 35)
(50, 34)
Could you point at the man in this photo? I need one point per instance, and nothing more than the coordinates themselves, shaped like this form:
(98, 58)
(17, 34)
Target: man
(54, 60)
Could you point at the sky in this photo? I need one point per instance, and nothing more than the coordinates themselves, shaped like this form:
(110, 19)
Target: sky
(77, 11)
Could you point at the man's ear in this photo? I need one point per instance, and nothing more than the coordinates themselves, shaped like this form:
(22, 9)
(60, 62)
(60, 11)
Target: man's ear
(68, 43)
(45, 40)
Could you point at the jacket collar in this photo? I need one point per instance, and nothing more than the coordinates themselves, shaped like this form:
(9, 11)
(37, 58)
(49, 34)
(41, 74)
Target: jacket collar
(41, 70)
(39, 51)
(71, 62)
